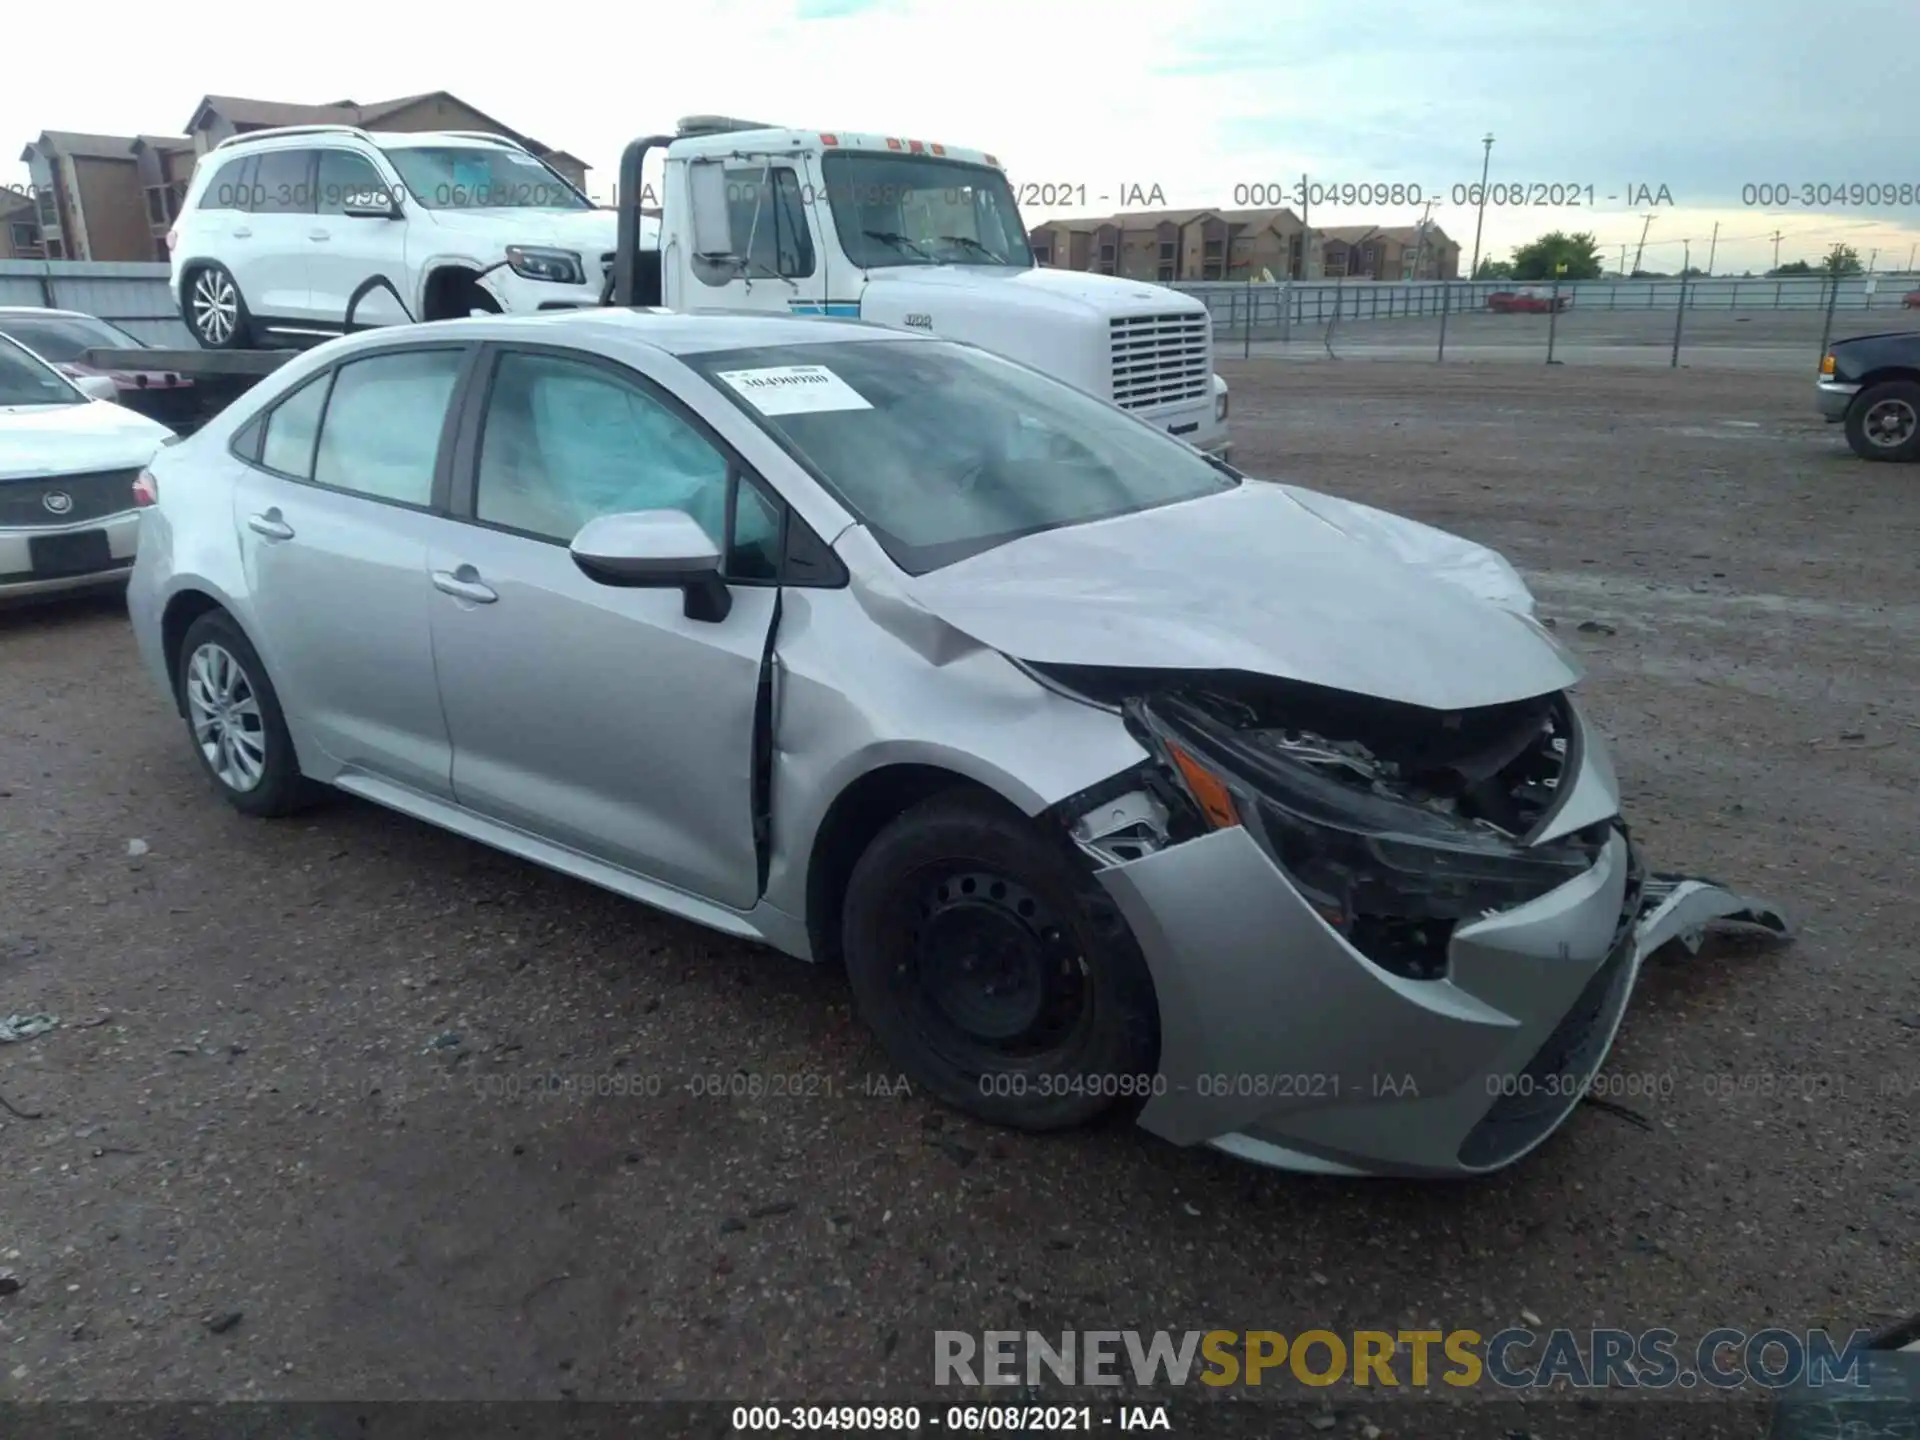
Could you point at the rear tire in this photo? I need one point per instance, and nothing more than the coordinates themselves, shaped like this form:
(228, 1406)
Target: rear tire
(994, 973)
(234, 720)
(1883, 423)
(215, 310)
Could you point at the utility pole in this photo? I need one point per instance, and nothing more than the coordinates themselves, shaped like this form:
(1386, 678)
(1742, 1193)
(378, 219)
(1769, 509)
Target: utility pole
(1486, 160)
(1306, 229)
(1910, 251)
(1680, 311)
(1641, 248)
(1623, 259)
(1714, 247)
(1776, 249)
(1872, 255)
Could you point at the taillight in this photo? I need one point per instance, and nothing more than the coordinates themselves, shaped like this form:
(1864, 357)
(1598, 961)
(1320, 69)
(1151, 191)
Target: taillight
(146, 490)
(173, 237)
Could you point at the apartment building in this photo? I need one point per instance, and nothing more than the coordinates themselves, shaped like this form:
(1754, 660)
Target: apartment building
(1170, 245)
(1391, 252)
(114, 197)
(1164, 245)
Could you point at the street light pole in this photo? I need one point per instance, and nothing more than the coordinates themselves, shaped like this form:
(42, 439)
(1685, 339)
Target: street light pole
(1486, 160)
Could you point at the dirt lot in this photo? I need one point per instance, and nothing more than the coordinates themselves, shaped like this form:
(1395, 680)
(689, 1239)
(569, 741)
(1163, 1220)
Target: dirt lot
(299, 1074)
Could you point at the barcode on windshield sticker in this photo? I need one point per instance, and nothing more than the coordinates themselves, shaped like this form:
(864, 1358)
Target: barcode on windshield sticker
(795, 390)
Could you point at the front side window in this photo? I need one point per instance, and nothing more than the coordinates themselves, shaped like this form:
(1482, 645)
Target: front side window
(481, 177)
(565, 441)
(767, 221)
(381, 433)
(26, 380)
(345, 179)
(920, 210)
(944, 451)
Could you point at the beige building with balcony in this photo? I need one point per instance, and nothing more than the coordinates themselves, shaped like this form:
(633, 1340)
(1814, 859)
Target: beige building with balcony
(1174, 245)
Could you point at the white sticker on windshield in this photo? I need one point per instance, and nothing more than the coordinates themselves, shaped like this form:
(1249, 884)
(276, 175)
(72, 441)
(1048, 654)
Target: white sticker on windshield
(795, 390)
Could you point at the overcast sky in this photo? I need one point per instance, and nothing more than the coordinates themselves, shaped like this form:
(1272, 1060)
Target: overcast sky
(1702, 97)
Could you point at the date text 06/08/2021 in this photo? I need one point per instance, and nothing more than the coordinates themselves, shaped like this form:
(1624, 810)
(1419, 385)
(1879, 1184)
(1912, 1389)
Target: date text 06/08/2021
(949, 1419)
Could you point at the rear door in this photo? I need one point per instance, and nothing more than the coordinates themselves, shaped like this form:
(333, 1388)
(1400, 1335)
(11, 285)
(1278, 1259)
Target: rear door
(334, 517)
(277, 285)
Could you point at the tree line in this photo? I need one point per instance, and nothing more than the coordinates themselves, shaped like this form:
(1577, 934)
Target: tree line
(1577, 257)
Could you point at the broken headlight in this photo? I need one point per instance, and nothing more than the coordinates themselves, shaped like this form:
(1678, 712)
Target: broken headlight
(1391, 870)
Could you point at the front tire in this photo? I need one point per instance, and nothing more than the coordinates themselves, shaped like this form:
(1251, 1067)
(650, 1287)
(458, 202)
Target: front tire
(234, 720)
(1883, 423)
(994, 973)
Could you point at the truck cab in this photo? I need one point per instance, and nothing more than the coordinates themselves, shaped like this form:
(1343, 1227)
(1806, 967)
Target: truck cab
(909, 234)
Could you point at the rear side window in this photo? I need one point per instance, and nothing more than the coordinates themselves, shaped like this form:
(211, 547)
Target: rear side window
(291, 428)
(381, 433)
(283, 185)
(231, 186)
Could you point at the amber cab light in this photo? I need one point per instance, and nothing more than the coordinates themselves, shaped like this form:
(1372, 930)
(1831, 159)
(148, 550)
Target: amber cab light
(146, 490)
(1826, 364)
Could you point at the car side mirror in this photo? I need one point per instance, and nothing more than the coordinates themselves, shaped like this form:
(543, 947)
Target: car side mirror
(655, 550)
(372, 206)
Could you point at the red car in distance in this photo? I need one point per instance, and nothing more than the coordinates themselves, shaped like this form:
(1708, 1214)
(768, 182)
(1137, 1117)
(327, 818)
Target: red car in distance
(1527, 300)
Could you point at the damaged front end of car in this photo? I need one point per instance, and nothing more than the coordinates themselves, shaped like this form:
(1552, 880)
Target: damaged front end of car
(1386, 939)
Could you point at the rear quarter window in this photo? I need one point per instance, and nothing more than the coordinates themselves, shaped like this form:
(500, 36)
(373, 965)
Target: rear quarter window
(230, 187)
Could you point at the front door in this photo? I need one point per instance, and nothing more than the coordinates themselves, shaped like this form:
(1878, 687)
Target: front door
(333, 529)
(348, 249)
(597, 718)
(778, 262)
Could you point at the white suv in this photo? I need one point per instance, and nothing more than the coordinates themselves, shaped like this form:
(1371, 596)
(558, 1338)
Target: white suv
(318, 229)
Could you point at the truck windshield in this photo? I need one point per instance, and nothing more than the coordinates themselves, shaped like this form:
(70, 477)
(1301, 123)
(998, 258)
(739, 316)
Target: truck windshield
(921, 210)
(27, 380)
(944, 451)
(481, 177)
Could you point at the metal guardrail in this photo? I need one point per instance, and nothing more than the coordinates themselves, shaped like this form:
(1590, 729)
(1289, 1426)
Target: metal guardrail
(136, 297)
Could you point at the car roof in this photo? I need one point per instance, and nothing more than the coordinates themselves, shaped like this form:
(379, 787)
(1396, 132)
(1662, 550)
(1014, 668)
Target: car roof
(676, 332)
(41, 312)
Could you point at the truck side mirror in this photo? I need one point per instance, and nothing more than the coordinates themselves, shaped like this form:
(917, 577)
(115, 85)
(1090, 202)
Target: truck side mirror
(712, 223)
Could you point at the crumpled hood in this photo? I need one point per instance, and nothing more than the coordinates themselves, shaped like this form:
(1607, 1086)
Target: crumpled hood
(1254, 580)
(41, 440)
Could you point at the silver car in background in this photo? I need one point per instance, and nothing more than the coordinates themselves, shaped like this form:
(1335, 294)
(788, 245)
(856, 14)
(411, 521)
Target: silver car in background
(1113, 777)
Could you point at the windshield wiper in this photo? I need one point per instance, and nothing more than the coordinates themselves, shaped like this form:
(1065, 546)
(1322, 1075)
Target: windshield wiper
(896, 239)
(968, 242)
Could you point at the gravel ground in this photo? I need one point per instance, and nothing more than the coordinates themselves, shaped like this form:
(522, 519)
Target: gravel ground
(297, 1090)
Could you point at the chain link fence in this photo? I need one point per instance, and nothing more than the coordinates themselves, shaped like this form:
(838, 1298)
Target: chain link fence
(1728, 322)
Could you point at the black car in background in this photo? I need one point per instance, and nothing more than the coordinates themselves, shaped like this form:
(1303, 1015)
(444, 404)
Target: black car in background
(62, 339)
(1871, 385)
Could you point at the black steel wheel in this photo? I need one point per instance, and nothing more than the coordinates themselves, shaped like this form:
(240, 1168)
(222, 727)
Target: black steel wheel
(995, 973)
(1883, 423)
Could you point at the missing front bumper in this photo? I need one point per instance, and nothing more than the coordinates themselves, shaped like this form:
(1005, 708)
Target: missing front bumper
(1283, 1045)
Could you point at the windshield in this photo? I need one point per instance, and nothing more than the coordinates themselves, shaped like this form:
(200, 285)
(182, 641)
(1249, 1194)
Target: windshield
(25, 380)
(917, 210)
(482, 177)
(944, 451)
(65, 339)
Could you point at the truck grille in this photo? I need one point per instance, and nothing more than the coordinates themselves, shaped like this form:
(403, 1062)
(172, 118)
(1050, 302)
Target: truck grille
(90, 497)
(1161, 359)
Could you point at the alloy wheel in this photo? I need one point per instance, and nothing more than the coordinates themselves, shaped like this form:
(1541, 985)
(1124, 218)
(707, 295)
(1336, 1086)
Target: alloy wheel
(225, 713)
(1889, 424)
(216, 306)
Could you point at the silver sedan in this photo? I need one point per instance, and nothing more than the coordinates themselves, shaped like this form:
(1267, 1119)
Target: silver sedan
(1114, 778)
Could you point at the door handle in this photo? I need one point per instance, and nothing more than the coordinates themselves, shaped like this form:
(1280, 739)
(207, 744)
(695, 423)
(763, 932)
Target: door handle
(270, 525)
(464, 584)
(242, 234)
(319, 235)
